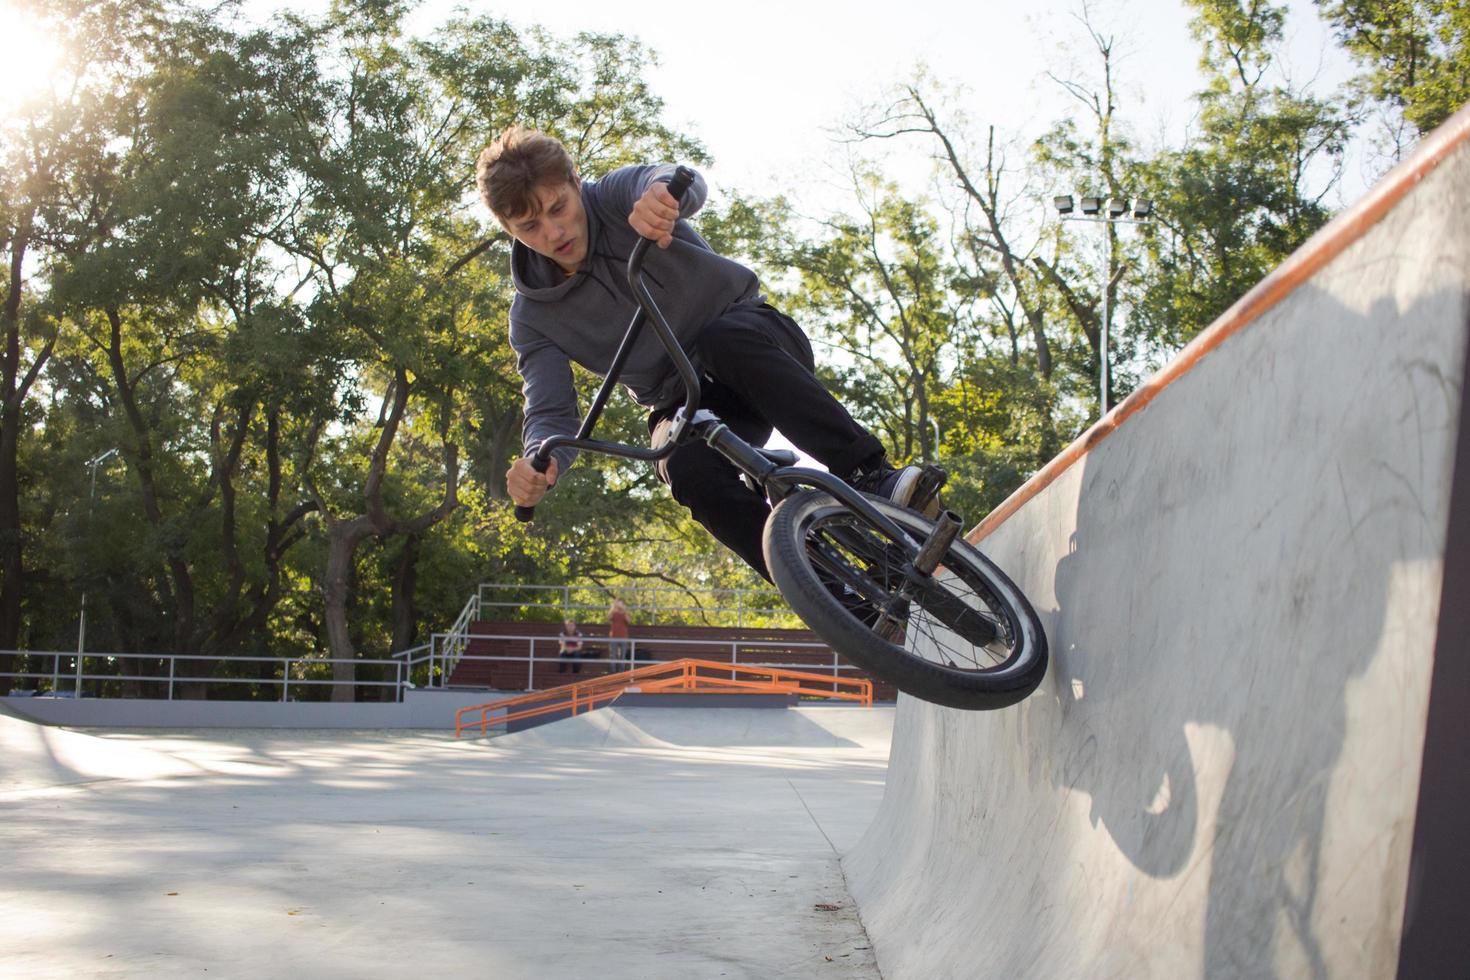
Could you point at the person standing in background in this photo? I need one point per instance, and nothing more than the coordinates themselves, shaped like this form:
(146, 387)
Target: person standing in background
(621, 651)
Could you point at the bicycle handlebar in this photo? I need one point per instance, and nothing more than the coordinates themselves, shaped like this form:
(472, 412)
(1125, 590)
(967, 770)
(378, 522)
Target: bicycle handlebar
(541, 457)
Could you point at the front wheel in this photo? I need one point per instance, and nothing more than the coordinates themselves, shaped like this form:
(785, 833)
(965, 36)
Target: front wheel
(964, 637)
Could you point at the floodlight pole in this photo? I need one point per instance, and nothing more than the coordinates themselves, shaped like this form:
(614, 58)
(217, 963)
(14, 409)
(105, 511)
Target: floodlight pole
(1105, 327)
(1105, 218)
(82, 617)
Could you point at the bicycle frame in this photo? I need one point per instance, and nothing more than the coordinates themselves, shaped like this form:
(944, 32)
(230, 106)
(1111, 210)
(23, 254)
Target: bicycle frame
(769, 469)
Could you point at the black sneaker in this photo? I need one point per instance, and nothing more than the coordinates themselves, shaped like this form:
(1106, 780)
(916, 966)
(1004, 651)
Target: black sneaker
(913, 487)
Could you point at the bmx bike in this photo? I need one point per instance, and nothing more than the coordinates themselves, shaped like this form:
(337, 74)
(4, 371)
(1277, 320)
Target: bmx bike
(899, 594)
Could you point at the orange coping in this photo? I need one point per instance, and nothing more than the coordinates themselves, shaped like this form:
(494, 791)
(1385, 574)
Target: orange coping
(1329, 242)
(683, 676)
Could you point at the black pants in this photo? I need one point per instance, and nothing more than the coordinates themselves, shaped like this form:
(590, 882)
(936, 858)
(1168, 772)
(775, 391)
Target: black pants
(757, 367)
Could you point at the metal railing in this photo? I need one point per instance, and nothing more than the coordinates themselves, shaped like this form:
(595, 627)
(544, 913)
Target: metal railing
(726, 607)
(551, 603)
(106, 670)
(454, 642)
(99, 674)
(104, 674)
(433, 664)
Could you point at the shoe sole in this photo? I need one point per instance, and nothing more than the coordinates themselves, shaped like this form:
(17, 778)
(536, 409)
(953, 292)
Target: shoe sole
(918, 489)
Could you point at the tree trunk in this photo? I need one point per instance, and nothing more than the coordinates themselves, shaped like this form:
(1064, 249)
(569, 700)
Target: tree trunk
(141, 459)
(12, 396)
(343, 537)
(405, 582)
(11, 547)
(345, 534)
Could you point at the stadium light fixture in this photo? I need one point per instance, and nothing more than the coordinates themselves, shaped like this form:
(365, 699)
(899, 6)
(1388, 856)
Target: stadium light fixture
(1117, 212)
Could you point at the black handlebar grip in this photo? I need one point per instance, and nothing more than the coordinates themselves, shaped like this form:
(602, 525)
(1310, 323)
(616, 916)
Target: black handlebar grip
(683, 177)
(542, 463)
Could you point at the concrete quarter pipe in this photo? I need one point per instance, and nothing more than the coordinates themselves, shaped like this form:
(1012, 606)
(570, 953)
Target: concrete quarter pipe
(1240, 573)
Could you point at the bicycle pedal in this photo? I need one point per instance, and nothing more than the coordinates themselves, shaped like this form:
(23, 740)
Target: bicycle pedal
(892, 621)
(931, 480)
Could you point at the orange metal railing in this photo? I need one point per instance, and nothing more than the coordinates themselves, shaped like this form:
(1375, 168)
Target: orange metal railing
(687, 676)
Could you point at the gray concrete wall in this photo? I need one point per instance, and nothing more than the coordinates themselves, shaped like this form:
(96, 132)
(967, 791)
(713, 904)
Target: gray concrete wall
(1240, 586)
(420, 709)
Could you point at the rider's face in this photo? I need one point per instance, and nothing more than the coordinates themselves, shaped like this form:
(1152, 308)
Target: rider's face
(558, 228)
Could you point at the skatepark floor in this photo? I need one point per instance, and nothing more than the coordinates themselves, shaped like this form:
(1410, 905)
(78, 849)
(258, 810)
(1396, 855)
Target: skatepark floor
(638, 842)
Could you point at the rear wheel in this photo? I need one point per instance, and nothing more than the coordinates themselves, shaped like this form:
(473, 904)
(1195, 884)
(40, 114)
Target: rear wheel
(964, 637)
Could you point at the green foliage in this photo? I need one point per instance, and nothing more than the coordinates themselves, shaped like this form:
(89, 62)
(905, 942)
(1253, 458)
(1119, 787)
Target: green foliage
(279, 301)
(254, 265)
(877, 286)
(1415, 54)
(1242, 195)
(1000, 422)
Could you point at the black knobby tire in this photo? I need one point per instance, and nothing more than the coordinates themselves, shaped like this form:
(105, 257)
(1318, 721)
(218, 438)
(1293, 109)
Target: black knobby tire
(965, 638)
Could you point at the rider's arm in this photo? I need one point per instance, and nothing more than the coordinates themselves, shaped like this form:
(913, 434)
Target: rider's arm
(550, 396)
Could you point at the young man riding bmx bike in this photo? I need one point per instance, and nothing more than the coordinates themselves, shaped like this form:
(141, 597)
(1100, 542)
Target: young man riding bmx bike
(572, 239)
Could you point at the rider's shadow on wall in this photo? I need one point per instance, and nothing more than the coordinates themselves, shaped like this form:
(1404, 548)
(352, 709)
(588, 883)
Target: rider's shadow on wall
(1228, 579)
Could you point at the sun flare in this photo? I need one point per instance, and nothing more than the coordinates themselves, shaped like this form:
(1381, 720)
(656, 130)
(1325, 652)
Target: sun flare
(29, 54)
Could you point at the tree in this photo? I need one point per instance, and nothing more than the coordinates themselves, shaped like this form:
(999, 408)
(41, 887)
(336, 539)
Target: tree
(161, 263)
(1415, 54)
(1247, 189)
(48, 148)
(878, 285)
(998, 267)
(1001, 315)
(396, 250)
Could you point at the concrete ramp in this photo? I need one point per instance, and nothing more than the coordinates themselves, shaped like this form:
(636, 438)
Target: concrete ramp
(35, 756)
(1240, 575)
(723, 727)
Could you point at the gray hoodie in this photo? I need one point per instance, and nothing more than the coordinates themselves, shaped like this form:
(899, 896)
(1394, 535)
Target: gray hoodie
(556, 319)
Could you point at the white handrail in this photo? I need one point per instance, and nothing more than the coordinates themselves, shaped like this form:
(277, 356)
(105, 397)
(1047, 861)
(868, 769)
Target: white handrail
(736, 648)
(566, 599)
(404, 662)
(78, 674)
(454, 641)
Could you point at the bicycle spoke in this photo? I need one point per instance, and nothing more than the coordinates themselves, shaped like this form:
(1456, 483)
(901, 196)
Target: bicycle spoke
(844, 577)
(948, 619)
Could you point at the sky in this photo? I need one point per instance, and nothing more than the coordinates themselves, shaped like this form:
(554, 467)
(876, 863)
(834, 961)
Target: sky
(765, 87)
(764, 83)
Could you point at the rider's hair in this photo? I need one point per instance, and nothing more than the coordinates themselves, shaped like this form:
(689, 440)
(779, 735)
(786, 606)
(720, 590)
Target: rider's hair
(511, 169)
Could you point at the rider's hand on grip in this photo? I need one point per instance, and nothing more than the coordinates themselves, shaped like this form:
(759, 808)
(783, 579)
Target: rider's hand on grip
(654, 214)
(527, 481)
